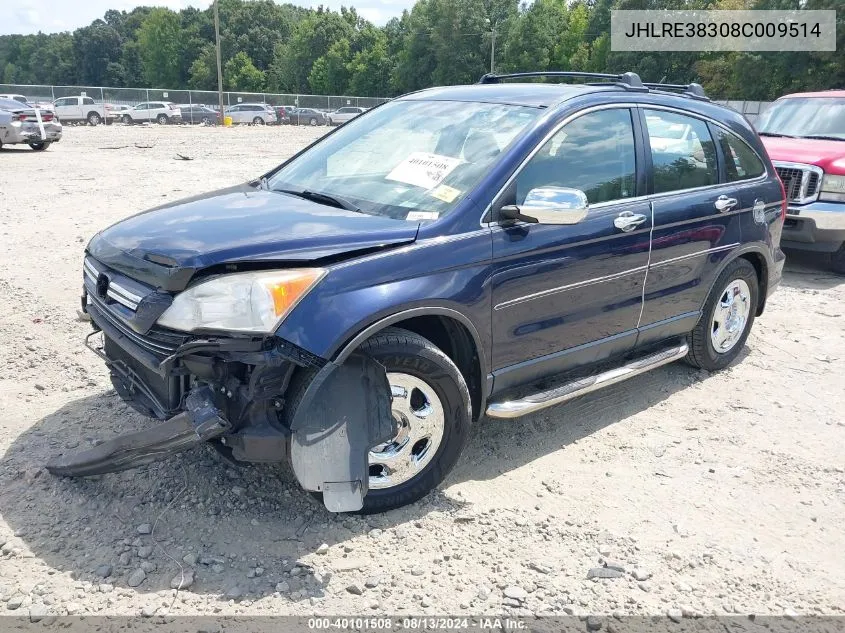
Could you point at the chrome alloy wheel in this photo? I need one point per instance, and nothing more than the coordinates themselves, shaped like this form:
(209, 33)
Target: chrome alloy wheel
(730, 316)
(420, 419)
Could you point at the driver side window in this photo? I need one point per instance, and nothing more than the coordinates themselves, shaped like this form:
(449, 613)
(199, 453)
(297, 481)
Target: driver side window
(594, 153)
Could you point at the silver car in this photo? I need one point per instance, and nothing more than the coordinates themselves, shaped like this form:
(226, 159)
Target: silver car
(252, 113)
(19, 124)
(342, 115)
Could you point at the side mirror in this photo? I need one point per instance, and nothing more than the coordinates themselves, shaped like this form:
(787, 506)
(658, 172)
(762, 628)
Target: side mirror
(549, 205)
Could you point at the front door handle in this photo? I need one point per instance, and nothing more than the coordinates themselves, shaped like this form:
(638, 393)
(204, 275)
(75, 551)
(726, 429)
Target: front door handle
(725, 204)
(627, 221)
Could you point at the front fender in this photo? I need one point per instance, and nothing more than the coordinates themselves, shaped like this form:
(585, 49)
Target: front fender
(447, 276)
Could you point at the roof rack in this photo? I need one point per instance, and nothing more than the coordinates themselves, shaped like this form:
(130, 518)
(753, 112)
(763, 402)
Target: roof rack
(629, 81)
(694, 90)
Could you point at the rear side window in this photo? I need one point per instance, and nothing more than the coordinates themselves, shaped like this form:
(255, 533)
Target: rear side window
(683, 154)
(741, 162)
(87, 100)
(594, 153)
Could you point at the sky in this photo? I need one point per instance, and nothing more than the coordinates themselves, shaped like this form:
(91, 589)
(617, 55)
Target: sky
(49, 16)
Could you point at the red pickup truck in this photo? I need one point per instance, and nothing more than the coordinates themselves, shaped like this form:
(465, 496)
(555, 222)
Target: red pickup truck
(804, 134)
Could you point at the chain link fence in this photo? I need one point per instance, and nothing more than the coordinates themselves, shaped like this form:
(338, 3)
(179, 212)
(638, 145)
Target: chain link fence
(751, 109)
(134, 96)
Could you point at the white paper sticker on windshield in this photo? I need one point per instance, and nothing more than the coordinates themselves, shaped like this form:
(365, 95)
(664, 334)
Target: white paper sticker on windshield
(445, 193)
(422, 215)
(425, 170)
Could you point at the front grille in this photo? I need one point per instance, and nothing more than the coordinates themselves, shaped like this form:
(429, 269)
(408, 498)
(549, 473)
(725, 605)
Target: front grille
(791, 181)
(801, 182)
(158, 342)
(812, 184)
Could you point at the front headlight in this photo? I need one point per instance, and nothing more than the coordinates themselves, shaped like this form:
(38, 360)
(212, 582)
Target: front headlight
(833, 188)
(242, 302)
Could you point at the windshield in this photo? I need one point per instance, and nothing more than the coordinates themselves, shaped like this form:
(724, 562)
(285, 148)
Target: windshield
(805, 116)
(409, 160)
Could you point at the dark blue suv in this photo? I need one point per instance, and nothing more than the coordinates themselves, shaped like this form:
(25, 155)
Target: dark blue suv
(490, 249)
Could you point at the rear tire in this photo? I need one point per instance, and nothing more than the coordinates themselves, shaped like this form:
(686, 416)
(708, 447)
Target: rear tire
(40, 146)
(432, 401)
(726, 320)
(313, 122)
(162, 119)
(837, 261)
(127, 120)
(258, 121)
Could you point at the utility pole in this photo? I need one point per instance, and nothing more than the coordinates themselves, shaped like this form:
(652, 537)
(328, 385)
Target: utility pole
(219, 63)
(493, 26)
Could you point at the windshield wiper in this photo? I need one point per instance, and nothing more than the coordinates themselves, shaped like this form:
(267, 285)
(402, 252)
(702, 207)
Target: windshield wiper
(822, 137)
(323, 198)
(776, 134)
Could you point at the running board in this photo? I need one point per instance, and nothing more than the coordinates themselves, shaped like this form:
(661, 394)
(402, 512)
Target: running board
(576, 388)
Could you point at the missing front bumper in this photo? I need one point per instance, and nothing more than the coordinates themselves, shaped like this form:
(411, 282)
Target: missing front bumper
(201, 421)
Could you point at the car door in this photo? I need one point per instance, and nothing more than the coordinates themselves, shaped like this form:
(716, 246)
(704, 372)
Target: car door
(568, 295)
(73, 109)
(139, 112)
(696, 221)
(62, 108)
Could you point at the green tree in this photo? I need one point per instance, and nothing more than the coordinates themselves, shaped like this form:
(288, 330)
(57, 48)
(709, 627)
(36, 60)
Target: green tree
(158, 41)
(329, 74)
(240, 74)
(203, 71)
(370, 71)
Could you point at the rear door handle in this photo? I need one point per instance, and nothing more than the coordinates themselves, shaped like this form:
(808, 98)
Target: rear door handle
(627, 221)
(725, 204)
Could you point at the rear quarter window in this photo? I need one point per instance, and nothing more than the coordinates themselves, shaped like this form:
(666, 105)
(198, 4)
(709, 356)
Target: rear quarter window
(741, 162)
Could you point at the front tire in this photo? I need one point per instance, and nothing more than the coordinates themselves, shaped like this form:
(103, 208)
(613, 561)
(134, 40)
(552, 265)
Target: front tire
(40, 146)
(313, 122)
(431, 404)
(94, 119)
(837, 261)
(726, 320)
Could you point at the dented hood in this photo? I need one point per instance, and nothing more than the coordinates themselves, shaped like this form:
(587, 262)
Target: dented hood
(167, 245)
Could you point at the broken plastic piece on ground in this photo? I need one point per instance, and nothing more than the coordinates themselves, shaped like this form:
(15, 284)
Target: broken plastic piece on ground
(201, 422)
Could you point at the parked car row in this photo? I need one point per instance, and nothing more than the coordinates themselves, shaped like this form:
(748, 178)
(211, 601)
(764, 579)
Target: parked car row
(85, 109)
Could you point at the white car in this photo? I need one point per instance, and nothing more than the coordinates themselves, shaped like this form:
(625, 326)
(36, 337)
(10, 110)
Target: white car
(162, 112)
(82, 109)
(342, 115)
(252, 113)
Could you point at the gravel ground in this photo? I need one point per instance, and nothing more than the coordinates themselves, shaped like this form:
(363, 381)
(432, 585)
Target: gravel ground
(683, 492)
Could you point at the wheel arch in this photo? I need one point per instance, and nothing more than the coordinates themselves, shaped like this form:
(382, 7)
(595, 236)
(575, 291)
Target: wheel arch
(755, 254)
(451, 331)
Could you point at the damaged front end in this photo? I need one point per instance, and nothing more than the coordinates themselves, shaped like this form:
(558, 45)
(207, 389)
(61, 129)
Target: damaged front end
(234, 391)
